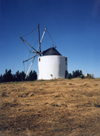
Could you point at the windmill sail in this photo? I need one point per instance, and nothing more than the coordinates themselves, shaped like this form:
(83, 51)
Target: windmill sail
(37, 52)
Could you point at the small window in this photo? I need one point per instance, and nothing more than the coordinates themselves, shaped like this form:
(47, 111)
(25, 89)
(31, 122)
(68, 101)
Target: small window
(66, 59)
(39, 59)
(51, 75)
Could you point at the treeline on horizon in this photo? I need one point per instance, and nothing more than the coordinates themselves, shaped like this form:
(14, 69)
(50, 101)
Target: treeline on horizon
(20, 76)
(75, 74)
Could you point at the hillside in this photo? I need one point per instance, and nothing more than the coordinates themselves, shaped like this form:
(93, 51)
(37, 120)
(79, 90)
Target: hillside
(50, 108)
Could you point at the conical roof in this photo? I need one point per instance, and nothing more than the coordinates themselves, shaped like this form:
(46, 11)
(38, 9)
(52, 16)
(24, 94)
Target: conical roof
(51, 51)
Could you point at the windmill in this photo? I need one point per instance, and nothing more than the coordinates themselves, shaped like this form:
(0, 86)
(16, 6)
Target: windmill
(37, 52)
(51, 64)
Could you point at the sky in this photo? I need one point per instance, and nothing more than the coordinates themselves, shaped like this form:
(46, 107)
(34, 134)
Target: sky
(73, 26)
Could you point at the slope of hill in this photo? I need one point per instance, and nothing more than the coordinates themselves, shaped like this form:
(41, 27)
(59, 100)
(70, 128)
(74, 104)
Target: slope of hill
(50, 108)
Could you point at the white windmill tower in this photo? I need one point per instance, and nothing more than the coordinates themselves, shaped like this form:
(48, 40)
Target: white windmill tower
(51, 64)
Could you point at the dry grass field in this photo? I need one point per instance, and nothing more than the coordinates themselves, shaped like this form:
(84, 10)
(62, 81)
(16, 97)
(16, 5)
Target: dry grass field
(50, 108)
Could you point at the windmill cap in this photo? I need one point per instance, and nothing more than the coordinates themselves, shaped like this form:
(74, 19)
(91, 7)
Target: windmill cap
(51, 51)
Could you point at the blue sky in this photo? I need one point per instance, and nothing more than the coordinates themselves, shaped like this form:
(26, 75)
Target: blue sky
(73, 24)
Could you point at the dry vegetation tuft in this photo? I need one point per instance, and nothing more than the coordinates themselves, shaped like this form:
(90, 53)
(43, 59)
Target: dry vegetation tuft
(50, 108)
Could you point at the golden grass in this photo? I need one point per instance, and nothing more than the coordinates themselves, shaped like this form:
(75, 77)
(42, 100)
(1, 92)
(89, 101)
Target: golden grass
(50, 108)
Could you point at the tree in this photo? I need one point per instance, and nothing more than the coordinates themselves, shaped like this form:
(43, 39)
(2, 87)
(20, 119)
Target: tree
(1, 78)
(22, 76)
(18, 76)
(7, 77)
(76, 73)
(10, 76)
(32, 76)
(69, 76)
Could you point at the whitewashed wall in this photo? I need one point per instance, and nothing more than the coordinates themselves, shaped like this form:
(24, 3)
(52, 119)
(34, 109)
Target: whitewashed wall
(51, 67)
